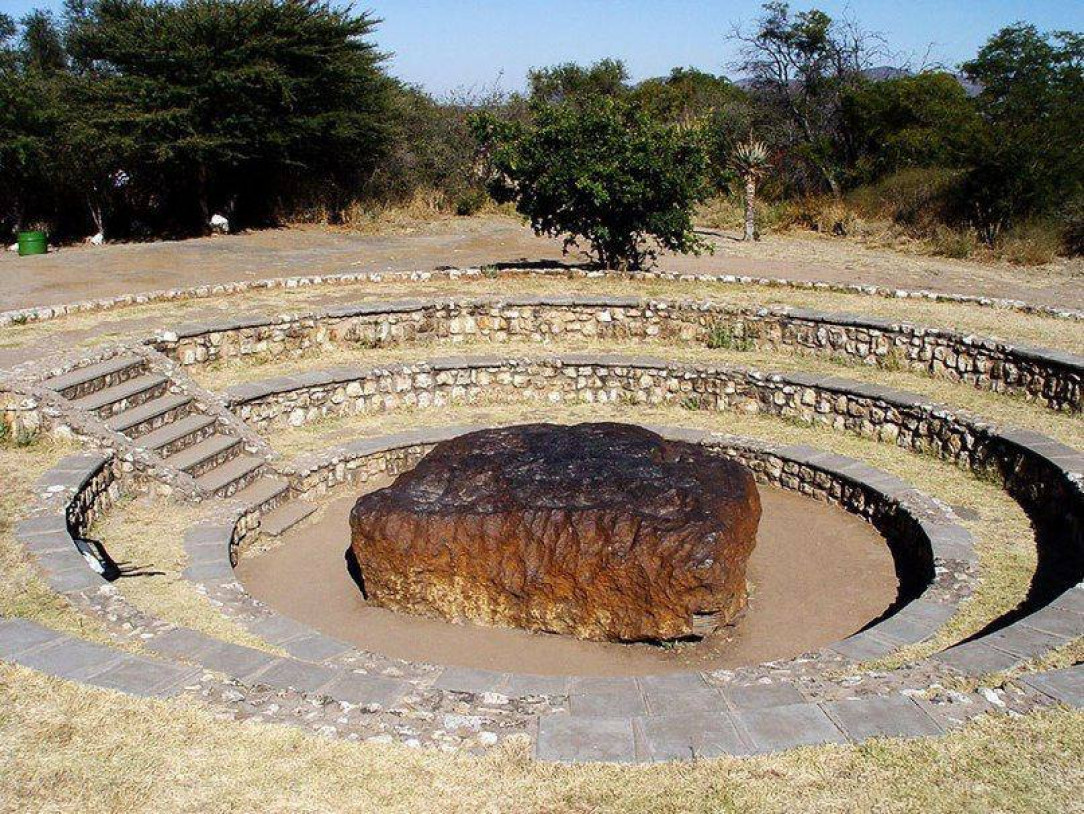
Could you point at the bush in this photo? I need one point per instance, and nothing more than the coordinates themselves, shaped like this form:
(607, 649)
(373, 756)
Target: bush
(471, 202)
(600, 171)
(957, 243)
(1032, 243)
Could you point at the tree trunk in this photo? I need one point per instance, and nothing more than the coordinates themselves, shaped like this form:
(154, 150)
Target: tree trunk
(750, 208)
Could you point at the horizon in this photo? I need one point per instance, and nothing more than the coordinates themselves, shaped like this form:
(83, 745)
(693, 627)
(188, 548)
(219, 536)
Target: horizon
(446, 47)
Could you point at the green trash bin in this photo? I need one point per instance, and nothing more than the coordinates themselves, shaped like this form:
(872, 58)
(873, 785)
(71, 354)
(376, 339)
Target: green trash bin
(33, 242)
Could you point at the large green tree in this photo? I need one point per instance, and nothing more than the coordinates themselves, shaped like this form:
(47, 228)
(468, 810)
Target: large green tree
(604, 172)
(1033, 99)
(232, 104)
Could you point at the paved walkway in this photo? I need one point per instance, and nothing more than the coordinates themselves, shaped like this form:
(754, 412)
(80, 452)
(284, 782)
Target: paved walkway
(82, 272)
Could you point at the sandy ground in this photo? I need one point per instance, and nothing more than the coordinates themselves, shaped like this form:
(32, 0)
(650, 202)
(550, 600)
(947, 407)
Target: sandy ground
(84, 272)
(813, 563)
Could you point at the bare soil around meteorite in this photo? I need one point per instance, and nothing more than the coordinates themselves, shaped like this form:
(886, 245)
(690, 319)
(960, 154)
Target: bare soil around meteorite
(817, 575)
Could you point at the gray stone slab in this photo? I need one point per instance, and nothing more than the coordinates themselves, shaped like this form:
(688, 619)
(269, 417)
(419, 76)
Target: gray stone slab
(620, 704)
(949, 541)
(976, 658)
(316, 647)
(691, 736)
(41, 545)
(277, 628)
(298, 675)
(863, 646)
(468, 680)
(914, 622)
(367, 689)
(569, 739)
(183, 643)
(74, 580)
(672, 683)
(197, 536)
(670, 703)
(772, 729)
(215, 571)
(881, 716)
(42, 524)
(519, 685)
(583, 685)
(1024, 641)
(235, 660)
(141, 676)
(70, 658)
(1057, 621)
(20, 635)
(760, 696)
(1065, 685)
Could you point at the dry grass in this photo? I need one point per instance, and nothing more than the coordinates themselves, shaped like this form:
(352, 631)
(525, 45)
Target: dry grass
(23, 592)
(147, 533)
(1003, 535)
(139, 320)
(65, 748)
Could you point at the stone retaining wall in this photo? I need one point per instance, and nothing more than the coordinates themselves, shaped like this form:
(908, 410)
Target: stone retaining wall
(1050, 377)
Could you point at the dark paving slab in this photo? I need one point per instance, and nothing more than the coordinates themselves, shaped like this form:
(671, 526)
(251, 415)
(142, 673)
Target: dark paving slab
(759, 696)
(299, 675)
(522, 684)
(976, 658)
(147, 677)
(1065, 685)
(881, 716)
(569, 739)
(20, 635)
(863, 646)
(235, 660)
(619, 704)
(365, 689)
(699, 700)
(315, 647)
(691, 736)
(468, 680)
(70, 658)
(774, 729)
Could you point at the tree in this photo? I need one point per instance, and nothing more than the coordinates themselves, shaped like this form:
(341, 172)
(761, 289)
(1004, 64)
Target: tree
(926, 120)
(604, 172)
(233, 104)
(800, 66)
(1033, 99)
(574, 83)
(750, 162)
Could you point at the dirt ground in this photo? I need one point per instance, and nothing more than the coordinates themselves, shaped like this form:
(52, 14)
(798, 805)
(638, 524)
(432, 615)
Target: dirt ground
(812, 562)
(85, 272)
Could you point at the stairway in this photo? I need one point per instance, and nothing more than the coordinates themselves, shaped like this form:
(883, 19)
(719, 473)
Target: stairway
(155, 413)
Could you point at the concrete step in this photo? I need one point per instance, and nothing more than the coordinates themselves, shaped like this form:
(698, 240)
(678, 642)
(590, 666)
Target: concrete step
(285, 517)
(232, 476)
(208, 454)
(151, 415)
(86, 380)
(177, 435)
(124, 396)
(264, 492)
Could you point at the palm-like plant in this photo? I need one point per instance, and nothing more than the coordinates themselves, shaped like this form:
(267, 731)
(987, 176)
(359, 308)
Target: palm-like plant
(750, 161)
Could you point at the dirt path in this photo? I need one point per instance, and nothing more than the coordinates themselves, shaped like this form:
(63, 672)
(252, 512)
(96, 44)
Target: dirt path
(81, 272)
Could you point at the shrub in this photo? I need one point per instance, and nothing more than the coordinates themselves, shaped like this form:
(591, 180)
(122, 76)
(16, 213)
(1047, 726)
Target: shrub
(471, 202)
(956, 243)
(601, 171)
(1032, 243)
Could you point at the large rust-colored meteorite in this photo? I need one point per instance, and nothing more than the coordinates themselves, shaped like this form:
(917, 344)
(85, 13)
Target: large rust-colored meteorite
(601, 531)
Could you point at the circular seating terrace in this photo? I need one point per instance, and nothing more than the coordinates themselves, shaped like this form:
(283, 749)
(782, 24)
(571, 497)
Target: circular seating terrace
(150, 427)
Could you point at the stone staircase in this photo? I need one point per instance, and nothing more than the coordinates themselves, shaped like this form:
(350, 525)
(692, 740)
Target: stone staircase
(156, 413)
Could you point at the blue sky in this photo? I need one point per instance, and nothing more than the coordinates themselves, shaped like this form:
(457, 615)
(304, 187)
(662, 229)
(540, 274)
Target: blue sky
(450, 44)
